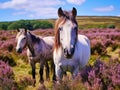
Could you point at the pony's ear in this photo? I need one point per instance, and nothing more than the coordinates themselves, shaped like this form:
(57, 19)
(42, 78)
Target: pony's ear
(18, 30)
(60, 12)
(25, 30)
(74, 12)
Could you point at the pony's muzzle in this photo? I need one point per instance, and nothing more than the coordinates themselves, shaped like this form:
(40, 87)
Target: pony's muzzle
(68, 53)
(19, 50)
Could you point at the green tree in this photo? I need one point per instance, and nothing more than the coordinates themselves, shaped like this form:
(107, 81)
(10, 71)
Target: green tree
(29, 24)
(42, 24)
(4, 25)
(20, 24)
(13, 26)
(25, 24)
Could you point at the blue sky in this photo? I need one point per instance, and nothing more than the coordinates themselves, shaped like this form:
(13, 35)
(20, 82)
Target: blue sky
(11, 10)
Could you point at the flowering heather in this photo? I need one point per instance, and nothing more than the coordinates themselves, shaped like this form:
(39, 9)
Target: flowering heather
(25, 81)
(6, 76)
(102, 76)
(101, 39)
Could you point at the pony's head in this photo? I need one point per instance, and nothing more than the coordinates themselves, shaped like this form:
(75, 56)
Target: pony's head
(66, 29)
(21, 39)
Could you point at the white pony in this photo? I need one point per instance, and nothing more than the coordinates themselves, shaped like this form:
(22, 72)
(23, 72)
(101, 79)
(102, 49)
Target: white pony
(38, 50)
(71, 51)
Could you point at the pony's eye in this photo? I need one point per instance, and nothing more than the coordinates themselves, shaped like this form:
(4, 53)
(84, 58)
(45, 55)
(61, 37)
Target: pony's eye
(24, 38)
(60, 29)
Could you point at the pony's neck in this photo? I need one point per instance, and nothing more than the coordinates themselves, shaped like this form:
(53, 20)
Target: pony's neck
(30, 44)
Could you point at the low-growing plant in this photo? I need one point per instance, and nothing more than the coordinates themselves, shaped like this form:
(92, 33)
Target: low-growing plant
(102, 76)
(3, 38)
(97, 47)
(115, 46)
(8, 58)
(25, 81)
(6, 77)
(10, 48)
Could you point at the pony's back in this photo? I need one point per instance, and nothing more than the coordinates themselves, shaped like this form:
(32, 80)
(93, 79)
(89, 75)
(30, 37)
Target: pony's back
(49, 40)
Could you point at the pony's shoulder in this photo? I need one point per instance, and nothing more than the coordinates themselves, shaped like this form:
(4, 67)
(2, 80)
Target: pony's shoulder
(81, 35)
(49, 37)
(83, 38)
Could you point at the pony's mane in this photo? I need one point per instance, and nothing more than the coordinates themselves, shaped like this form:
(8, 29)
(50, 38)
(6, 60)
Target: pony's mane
(67, 15)
(35, 39)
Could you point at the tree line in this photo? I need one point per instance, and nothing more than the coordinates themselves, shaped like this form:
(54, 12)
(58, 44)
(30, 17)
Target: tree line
(29, 24)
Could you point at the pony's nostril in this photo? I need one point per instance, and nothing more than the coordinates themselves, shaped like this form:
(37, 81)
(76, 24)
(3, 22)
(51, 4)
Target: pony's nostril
(65, 51)
(19, 50)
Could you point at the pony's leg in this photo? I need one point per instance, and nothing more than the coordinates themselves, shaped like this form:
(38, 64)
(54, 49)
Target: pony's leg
(47, 71)
(75, 72)
(33, 72)
(58, 72)
(64, 73)
(41, 72)
(54, 76)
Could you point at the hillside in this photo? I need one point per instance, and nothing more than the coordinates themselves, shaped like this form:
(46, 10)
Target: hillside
(84, 22)
(97, 21)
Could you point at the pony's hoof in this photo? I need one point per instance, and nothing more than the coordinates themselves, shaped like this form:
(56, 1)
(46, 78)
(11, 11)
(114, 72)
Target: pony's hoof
(58, 82)
(41, 81)
(48, 79)
(33, 85)
(54, 78)
(41, 87)
(54, 81)
(34, 82)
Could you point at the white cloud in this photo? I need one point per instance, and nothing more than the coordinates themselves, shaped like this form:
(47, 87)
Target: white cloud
(118, 15)
(18, 13)
(77, 2)
(35, 8)
(14, 4)
(104, 9)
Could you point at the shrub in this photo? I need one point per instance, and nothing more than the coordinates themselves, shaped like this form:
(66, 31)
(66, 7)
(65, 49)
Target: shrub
(42, 25)
(25, 81)
(3, 38)
(20, 24)
(97, 47)
(108, 42)
(115, 46)
(13, 26)
(102, 76)
(4, 25)
(6, 76)
(67, 84)
(8, 58)
(29, 24)
(112, 26)
(10, 47)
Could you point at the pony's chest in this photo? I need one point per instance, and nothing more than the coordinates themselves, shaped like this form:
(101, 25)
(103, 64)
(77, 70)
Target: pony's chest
(68, 65)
